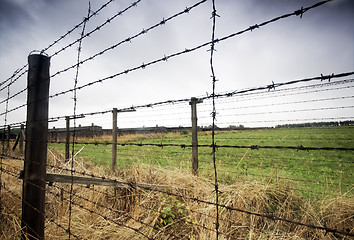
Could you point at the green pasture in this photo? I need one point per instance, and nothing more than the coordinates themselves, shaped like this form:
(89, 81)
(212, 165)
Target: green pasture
(315, 173)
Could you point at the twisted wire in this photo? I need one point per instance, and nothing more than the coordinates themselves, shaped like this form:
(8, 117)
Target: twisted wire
(75, 105)
(212, 50)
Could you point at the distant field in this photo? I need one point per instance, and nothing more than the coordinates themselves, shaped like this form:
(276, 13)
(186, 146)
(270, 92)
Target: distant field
(315, 173)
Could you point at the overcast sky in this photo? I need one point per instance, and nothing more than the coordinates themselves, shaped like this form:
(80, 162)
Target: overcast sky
(321, 42)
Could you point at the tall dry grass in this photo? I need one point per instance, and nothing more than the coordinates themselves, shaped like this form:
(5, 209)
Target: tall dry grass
(99, 212)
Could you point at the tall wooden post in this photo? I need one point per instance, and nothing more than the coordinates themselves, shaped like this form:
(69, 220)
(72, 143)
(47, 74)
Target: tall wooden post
(67, 141)
(193, 104)
(8, 136)
(114, 139)
(34, 177)
(22, 138)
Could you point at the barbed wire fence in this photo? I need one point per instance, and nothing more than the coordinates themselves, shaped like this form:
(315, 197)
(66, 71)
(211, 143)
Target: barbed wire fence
(165, 114)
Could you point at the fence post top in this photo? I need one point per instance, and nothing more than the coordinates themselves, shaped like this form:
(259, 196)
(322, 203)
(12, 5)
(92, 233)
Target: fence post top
(195, 100)
(38, 53)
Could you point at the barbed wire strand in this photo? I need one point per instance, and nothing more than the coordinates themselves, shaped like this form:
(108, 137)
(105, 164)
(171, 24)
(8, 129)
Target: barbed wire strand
(3, 142)
(217, 146)
(75, 105)
(212, 50)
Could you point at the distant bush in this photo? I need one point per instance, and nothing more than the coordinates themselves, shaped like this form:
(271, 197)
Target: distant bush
(237, 127)
(184, 132)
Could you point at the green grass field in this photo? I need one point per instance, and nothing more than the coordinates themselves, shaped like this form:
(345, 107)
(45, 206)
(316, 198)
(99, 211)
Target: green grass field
(315, 173)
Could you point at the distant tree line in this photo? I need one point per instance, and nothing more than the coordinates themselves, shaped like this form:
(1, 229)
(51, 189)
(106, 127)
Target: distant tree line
(317, 124)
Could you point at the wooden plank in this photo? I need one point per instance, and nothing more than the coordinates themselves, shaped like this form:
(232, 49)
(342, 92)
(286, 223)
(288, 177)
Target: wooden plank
(114, 139)
(52, 177)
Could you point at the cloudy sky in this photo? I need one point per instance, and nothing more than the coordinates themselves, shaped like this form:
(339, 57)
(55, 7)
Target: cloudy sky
(321, 42)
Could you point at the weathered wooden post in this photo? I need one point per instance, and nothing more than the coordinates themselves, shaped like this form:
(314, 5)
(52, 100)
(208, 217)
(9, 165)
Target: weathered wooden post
(22, 138)
(8, 137)
(114, 139)
(34, 174)
(67, 140)
(193, 104)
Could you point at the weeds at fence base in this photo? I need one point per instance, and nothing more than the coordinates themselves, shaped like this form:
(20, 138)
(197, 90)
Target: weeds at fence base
(162, 216)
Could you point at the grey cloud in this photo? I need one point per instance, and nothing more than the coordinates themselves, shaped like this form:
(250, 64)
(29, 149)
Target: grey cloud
(12, 15)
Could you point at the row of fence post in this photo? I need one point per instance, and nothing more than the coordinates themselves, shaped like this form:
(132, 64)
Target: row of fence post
(193, 103)
(194, 118)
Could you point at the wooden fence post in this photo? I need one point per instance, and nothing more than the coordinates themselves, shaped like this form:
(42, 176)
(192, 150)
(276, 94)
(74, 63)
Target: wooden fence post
(193, 104)
(67, 141)
(34, 174)
(8, 136)
(22, 138)
(114, 139)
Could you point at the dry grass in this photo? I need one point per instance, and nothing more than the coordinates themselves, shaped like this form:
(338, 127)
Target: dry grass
(107, 213)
